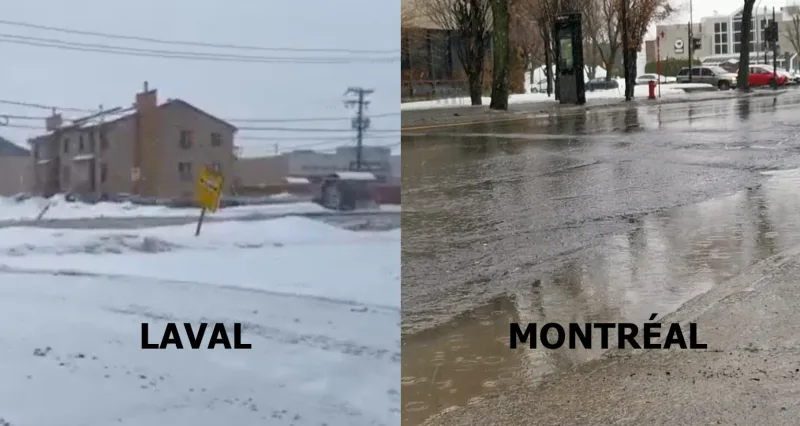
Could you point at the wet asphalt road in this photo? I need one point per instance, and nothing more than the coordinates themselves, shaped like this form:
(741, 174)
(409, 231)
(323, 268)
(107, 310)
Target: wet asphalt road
(598, 216)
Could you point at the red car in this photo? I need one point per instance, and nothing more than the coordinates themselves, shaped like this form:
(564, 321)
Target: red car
(761, 76)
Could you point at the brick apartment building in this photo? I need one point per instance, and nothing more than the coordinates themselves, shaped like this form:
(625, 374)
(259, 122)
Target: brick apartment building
(15, 168)
(153, 151)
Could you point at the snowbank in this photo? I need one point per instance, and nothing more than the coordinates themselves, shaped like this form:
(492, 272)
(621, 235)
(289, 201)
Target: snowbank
(640, 91)
(290, 256)
(319, 305)
(29, 209)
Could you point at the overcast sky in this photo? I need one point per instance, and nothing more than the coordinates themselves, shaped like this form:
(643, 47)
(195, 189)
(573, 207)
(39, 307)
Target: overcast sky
(229, 90)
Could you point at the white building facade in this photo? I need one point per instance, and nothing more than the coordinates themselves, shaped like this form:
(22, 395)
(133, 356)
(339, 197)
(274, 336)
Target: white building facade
(721, 36)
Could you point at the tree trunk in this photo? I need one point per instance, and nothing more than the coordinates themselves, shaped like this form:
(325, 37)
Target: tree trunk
(612, 59)
(475, 79)
(626, 57)
(630, 83)
(501, 55)
(548, 63)
(744, 54)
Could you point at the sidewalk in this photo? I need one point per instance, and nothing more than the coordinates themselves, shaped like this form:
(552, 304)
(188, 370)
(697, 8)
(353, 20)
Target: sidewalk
(749, 376)
(429, 119)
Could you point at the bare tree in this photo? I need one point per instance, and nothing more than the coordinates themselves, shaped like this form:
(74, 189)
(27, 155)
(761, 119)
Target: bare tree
(591, 35)
(640, 14)
(605, 30)
(544, 14)
(744, 53)
(524, 34)
(792, 29)
(469, 21)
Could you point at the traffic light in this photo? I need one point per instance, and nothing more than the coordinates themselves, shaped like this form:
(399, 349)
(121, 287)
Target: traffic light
(696, 45)
(773, 32)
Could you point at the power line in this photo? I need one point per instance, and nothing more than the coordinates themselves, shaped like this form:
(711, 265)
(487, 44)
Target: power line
(309, 138)
(310, 130)
(172, 54)
(190, 43)
(230, 120)
(40, 106)
(245, 138)
(303, 120)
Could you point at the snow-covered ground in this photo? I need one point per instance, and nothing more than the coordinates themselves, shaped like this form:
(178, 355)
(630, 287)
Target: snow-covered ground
(29, 209)
(320, 306)
(640, 91)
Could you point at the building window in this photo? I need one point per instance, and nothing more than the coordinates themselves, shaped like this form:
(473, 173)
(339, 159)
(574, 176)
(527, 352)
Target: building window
(103, 172)
(720, 38)
(66, 145)
(216, 139)
(36, 151)
(737, 35)
(216, 166)
(80, 143)
(92, 141)
(185, 171)
(186, 139)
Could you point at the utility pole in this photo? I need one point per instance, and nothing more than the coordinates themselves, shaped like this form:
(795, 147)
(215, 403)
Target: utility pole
(360, 122)
(774, 33)
(690, 44)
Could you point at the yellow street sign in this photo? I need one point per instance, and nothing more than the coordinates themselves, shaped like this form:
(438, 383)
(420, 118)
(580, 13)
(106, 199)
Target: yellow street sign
(209, 188)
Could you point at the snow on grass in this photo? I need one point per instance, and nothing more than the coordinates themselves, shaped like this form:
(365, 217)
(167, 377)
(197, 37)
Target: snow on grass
(297, 250)
(12, 210)
(319, 305)
(640, 91)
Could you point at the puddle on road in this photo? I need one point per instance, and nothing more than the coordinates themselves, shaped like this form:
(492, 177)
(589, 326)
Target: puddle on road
(662, 262)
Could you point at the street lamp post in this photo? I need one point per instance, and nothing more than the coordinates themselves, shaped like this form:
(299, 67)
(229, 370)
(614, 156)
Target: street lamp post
(758, 33)
(690, 46)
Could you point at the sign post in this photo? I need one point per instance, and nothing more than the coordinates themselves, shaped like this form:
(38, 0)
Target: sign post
(658, 61)
(207, 193)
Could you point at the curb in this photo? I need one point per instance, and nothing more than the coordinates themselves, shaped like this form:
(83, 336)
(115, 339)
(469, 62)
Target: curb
(555, 108)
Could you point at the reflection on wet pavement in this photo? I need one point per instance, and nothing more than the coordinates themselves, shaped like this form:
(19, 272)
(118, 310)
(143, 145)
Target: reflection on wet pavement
(579, 229)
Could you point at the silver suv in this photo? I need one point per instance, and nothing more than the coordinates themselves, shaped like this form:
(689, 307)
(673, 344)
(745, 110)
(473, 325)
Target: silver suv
(714, 76)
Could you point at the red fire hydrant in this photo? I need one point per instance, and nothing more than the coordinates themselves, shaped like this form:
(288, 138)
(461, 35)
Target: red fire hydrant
(651, 86)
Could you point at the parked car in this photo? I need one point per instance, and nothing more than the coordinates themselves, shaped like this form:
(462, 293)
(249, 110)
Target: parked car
(715, 76)
(760, 75)
(601, 84)
(540, 86)
(782, 74)
(647, 78)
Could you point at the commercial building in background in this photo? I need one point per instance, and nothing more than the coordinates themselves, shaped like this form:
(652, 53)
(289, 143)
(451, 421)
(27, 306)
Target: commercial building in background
(313, 166)
(720, 37)
(153, 151)
(16, 172)
(430, 64)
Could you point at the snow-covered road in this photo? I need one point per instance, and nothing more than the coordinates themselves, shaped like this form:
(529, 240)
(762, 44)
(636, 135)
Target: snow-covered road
(319, 305)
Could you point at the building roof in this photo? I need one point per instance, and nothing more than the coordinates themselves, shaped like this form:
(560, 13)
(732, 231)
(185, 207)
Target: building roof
(131, 113)
(197, 110)
(10, 149)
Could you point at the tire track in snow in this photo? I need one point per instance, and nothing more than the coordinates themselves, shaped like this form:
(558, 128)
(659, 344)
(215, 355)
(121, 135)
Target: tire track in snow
(77, 273)
(314, 341)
